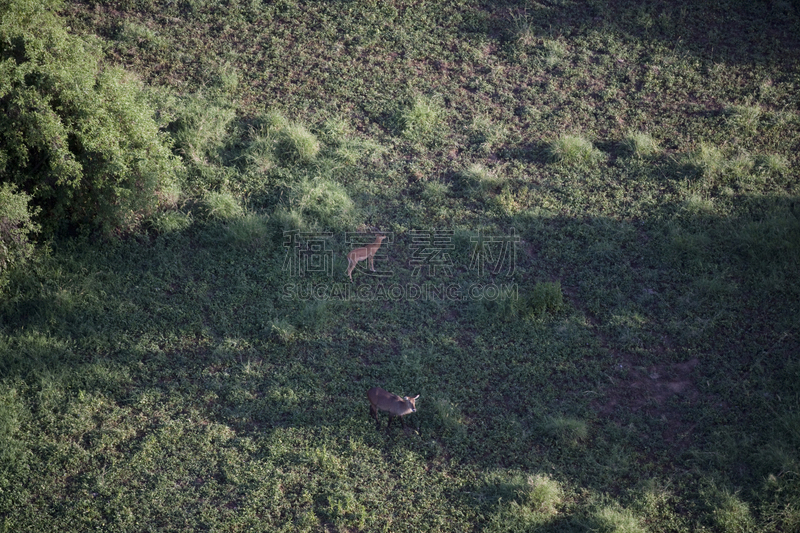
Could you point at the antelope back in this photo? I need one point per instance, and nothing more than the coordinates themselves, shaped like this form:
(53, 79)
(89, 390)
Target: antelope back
(394, 404)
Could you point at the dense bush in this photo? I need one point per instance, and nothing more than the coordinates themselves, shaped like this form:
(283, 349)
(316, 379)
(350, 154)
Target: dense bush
(15, 228)
(77, 136)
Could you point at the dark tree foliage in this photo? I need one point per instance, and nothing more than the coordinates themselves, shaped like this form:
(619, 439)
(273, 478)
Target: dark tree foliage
(76, 135)
(15, 228)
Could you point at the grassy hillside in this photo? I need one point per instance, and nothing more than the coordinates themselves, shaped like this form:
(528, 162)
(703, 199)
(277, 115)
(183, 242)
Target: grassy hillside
(592, 277)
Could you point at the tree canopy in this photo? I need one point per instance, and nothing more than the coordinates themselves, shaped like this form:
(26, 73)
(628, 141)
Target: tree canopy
(77, 135)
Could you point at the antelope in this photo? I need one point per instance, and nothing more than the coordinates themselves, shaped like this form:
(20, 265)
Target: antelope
(381, 400)
(359, 254)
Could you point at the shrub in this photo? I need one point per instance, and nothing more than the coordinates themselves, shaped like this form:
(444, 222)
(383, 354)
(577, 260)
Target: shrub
(15, 227)
(200, 128)
(78, 137)
(171, 221)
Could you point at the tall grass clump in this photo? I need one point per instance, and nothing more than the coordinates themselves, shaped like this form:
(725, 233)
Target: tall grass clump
(485, 133)
(201, 128)
(419, 120)
(707, 161)
(296, 144)
(641, 144)
(289, 219)
(171, 221)
(133, 34)
(225, 78)
(543, 494)
(335, 130)
(553, 52)
(744, 117)
(319, 314)
(773, 164)
(612, 519)
(730, 514)
(275, 139)
(740, 169)
(259, 154)
(435, 192)
(545, 297)
(565, 429)
(480, 178)
(523, 31)
(449, 416)
(282, 329)
(251, 229)
(574, 150)
(221, 205)
(321, 204)
(273, 121)
(536, 502)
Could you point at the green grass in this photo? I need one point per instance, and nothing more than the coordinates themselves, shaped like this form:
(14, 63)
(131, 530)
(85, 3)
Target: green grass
(641, 144)
(643, 379)
(420, 118)
(221, 205)
(574, 150)
(612, 520)
(298, 144)
(480, 179)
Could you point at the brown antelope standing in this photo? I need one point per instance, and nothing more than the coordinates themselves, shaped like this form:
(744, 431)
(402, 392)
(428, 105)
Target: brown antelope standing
(381, 400)
(366, 252)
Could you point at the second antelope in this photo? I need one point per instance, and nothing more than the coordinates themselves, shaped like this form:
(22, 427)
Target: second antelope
(365, 252)
(380, 400)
